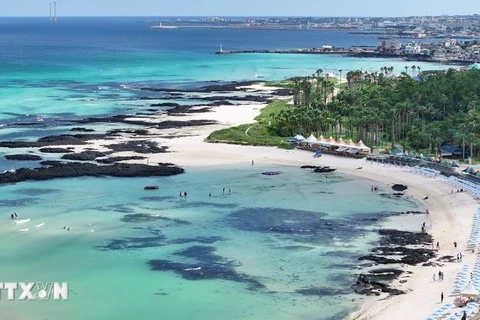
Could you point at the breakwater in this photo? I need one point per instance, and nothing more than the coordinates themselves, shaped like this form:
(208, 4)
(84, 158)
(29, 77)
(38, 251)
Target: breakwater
(352, 52)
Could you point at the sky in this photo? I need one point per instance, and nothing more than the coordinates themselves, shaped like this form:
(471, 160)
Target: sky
(358, 8)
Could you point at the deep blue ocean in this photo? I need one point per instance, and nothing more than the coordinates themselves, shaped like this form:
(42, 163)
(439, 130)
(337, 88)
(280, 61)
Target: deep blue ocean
(130, 255)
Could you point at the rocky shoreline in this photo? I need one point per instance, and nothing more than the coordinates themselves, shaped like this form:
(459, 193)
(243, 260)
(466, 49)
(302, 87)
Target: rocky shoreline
(79, 158)
(395, 247)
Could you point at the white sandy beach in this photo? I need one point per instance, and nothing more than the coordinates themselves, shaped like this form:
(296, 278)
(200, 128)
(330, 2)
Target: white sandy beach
(451, 214)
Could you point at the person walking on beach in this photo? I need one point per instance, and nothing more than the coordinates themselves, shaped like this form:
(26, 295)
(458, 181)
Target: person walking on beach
(438, 245)
(253, 162)
(434, 277)
(441, 297)
(464, 317)
(455, 244)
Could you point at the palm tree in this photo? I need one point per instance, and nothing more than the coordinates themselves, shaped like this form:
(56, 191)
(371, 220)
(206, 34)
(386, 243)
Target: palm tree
(406, 69)
(413, 69)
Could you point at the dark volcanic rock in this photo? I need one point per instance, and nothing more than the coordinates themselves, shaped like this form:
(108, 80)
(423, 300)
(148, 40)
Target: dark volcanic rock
(58, 169)
(84, 156)
(403, 238)
(55, 150)
(169, 124)
(23, 157)
(138, 132)
(76, 139)
(399, 187)
(80, 129)
(118, 159)
(143, 146)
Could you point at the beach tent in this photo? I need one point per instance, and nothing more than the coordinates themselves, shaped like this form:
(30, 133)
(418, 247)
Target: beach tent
(331, 140)
(310, 139)
(322, 139)
(341, 142)
(298, 137)
(469, 291)
(362, 146)
(350, 143)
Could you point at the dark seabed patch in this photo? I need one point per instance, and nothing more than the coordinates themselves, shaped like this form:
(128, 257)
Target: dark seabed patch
(143, 217)
(36, 191)
(297, 225)
(203, 240)
(132, 243)
(202, 204)
(18, 202)
(208, 265)
(157, 198)
(122, 208)
(323, 292)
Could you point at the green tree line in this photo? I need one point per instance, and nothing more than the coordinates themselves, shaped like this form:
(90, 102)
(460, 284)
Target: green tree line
(417, 110)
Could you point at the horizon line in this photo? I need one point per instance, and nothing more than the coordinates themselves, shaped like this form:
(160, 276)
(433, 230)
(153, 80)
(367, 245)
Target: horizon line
(237, 16)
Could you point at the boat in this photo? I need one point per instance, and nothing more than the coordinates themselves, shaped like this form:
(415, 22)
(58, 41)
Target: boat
(151, 187)
(271, 173)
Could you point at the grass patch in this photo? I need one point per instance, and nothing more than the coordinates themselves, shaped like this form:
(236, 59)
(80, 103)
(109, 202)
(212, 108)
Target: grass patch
(254, 134)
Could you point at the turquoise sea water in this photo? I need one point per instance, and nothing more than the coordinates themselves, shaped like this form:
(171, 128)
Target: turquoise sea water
(281, 247)
(259, 245)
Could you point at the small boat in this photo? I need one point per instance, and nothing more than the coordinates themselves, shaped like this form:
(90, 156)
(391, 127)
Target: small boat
(271, 173)
(151, 188)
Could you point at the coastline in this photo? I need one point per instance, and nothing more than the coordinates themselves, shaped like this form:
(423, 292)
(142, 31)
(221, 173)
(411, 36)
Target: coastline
(452, 212)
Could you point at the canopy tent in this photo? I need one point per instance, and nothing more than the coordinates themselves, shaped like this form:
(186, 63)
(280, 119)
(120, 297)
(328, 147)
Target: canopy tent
(342, 149)
(362, 146)
(322, 139)
(331, 140)
(469, 291)
(341, 142)
(350, 143)
(298, 137)
(310, 139)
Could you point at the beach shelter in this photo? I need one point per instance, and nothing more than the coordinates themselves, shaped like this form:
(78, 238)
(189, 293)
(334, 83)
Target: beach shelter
(310, 139)
(362, 146)
(322, 139)
(331, 140)
(341, 142)
(469, 291)
(298, 137)
(350, 143)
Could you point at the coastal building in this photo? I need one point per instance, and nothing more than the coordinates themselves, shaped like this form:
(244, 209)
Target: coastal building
(412, 48)
(389, 46)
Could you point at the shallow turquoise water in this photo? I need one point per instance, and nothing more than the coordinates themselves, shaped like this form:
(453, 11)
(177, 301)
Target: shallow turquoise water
(108, 270)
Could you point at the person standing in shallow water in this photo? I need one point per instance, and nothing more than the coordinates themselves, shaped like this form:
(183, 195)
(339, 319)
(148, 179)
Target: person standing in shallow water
(441, 297)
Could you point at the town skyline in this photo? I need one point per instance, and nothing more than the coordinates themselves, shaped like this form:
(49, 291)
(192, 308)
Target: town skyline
(246, 8)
